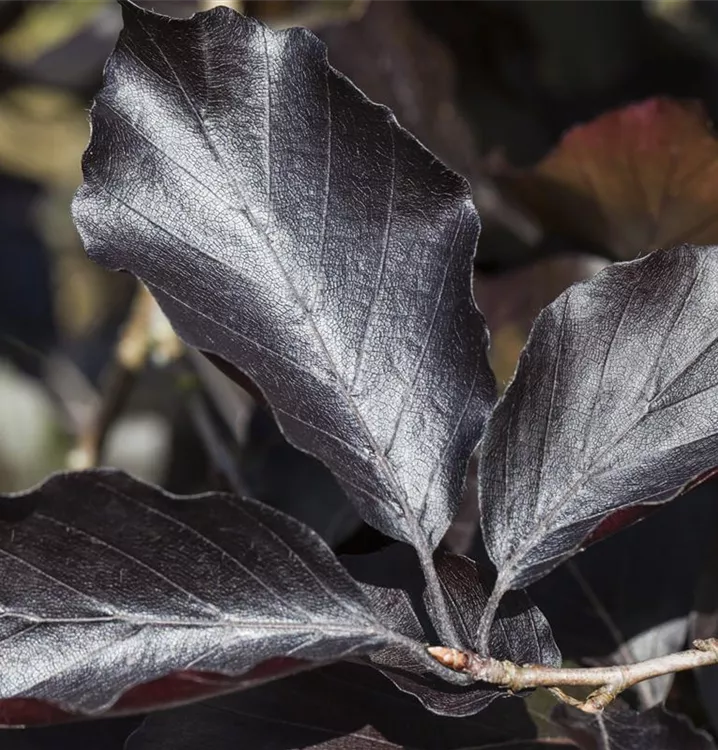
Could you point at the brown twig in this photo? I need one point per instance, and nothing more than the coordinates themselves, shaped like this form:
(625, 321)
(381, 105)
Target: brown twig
(610, 681)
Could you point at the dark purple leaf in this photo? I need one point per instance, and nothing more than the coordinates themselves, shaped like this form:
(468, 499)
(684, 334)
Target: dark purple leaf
(599, 614)
(343, 707)
(291, 227)
(392, 581)
(112, 583)
(620, 728)
(613, 405)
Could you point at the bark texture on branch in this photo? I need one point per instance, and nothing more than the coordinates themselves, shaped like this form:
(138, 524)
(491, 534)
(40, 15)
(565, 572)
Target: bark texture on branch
(610, 681)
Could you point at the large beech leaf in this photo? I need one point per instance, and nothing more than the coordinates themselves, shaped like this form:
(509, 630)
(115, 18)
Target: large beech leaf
(612, 405)
(392, 581)
(291, 227)
(620, 728)
(111, 583)
(635, 179)
(340, 707)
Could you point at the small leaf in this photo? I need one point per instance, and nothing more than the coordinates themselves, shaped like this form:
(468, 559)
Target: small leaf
(613, 405)
(112, 583)
(343, 707)
(392, 581)
(291, 227)
(620, 728)
(632, 180)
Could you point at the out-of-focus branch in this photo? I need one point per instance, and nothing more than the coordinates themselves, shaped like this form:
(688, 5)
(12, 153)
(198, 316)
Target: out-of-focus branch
(145, 333)
(237, 5)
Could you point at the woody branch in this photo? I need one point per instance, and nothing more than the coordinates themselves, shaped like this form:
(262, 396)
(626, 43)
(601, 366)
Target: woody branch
(610, 681)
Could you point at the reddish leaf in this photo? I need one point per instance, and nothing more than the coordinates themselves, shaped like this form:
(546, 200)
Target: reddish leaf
(619, 520)
(632, 180)
(21, 712)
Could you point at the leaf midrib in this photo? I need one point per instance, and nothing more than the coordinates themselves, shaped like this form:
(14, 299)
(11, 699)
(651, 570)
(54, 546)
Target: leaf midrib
(418, 536)
(227, 622)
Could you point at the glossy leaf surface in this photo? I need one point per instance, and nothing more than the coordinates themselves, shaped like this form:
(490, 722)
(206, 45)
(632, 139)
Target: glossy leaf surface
(613, 405)
(291, 227)
(112, 583)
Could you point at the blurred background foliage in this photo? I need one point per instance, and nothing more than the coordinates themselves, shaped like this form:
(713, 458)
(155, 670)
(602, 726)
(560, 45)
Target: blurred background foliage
(585, 129)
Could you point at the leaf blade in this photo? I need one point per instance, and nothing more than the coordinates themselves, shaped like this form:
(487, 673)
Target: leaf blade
(367, 344)
(113, 583)
(593, 402)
